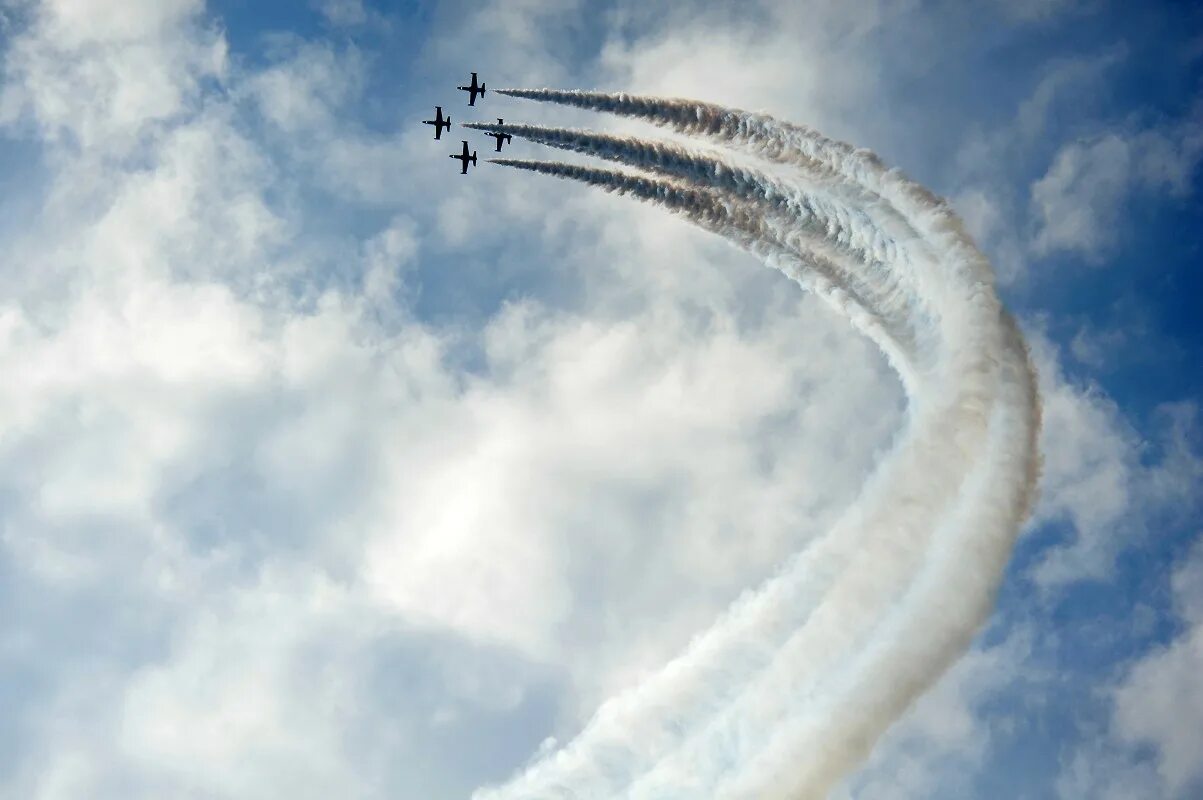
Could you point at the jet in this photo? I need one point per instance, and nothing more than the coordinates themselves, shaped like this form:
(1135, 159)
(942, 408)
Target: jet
(500, 137)
(472, 90)
(439, 122)
(465, 159)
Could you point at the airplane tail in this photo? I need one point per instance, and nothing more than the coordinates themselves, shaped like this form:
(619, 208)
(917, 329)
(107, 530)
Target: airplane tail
(473, 158)
(482, 88)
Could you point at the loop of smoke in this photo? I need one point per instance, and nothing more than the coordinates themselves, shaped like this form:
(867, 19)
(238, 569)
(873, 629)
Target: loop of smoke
(791, 687)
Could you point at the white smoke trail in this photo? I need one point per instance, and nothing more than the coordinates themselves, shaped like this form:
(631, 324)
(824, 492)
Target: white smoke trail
(791, 687)
(850, 250)
(750, 228)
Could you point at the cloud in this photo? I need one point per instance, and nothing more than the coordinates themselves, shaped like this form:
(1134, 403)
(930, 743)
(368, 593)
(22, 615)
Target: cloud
(1119, 494)
(304, 88)
(104, 77)
(1070, 86)
(226, 440)
(75, 22)
(1101, 477)
(255, 405)
(344, 13)
(1106, 773)
(991, 162)
(1079, 203)
(1146, 744)
(938, 748)
(1158, 702)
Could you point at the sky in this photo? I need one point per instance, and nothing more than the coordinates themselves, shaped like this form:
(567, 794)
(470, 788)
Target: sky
(325, 471)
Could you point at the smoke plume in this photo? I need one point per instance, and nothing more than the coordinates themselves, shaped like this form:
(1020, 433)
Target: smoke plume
(789, 689)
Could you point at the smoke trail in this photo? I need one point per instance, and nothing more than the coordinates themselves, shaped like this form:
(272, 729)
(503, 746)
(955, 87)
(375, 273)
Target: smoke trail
(827, 226)
(791, 687)
(749, 228)
(826, 162)
(772, 139)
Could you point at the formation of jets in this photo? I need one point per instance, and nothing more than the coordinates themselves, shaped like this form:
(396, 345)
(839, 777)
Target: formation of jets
(474, 89)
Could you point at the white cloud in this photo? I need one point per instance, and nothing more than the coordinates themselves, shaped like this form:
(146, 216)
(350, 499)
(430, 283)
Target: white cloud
(1078, 205)
(277, 465)
(78, 21)
(303, 92)
(1155, 710)
(1159, 702)
(1073, 83)
(104, 76)
(287, 473)
(1095, 348)
(1107, 773)
(988, 161)
(222, 716)
(1098, 475)
(344, 13)
(935, 750)
(735, 56)
(1079, 199)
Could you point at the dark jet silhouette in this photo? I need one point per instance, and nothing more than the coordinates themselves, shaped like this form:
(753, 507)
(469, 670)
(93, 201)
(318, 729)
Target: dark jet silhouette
(500, 137)
(472, 90)
(465, 159)
(439, 122)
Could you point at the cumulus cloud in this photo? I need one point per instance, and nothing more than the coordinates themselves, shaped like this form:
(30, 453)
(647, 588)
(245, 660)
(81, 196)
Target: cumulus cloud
(234, 416)
(300, 494)
(1147, 745)
(989, 161)
(939, 746)
(1102, 478)
(1158, 702)
(1077, 205)
(104, 77)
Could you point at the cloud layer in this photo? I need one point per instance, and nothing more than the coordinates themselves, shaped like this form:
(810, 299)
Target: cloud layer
(255, 356)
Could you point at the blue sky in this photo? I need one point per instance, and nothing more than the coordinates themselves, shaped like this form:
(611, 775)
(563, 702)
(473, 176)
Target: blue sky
(325, 471)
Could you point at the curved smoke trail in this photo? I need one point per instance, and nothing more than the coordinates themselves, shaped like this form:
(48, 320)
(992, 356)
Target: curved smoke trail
(791, 687)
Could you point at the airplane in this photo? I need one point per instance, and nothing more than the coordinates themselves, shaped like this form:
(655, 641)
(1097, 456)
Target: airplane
(438, 122)
(465, 159)
(472, 90)
(500, 137)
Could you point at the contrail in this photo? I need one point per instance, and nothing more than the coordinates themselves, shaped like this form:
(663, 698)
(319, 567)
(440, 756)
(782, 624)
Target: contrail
(827, 225)
(750, 228)
(770, 138)
(791, 687)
